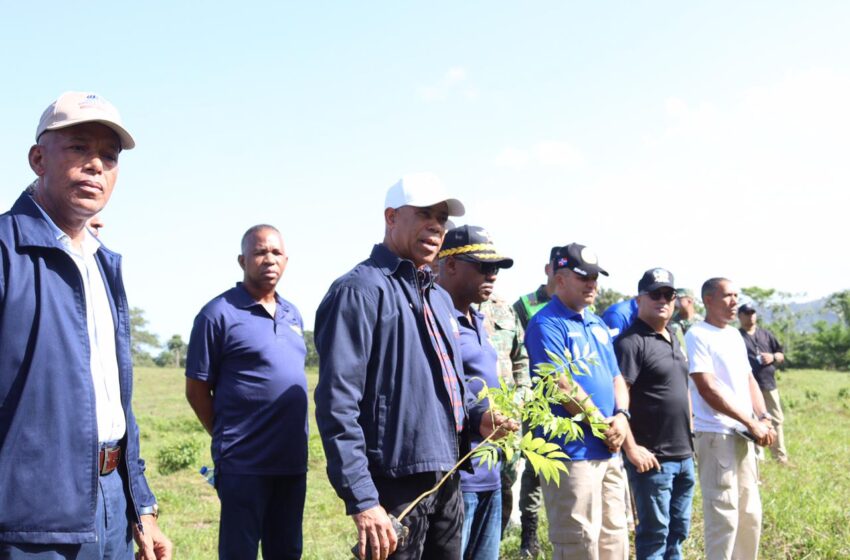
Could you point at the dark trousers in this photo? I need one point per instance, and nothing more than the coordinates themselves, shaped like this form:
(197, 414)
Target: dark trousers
(254, 509)
(436, 524)
(114, 531)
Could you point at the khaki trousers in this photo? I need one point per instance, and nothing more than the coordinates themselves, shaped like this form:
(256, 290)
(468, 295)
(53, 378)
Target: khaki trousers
(774, 408)
(731, 506)
(587, 513)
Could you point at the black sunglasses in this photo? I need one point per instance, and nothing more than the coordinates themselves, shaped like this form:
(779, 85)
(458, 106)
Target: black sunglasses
(487, 269)
(659, 294)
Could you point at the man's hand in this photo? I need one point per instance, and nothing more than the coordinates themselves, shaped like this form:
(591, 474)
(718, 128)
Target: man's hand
(153, 545)
(763, 431)
(375, 530)
(642, 458)
(492, 422)
(767, 358)
(615, 435)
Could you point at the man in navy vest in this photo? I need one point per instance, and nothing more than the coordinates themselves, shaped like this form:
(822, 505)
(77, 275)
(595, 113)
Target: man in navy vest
(72, 484)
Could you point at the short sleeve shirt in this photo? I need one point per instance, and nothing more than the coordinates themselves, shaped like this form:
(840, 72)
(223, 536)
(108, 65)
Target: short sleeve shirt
(556, 328)
(480, 365)
(761, 341)
(255, 364)
(722, 353)
(657, 370)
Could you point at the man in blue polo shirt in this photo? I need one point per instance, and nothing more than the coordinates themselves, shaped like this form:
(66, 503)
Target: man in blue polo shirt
(587, 512)
(245, 381)
(620, 316)
(469, 263)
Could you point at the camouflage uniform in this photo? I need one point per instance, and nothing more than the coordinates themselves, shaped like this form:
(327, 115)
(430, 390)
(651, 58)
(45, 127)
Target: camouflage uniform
(507, 336)
(530, 495)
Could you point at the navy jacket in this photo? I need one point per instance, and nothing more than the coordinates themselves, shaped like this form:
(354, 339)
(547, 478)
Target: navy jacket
(382, 407)
(48, 428)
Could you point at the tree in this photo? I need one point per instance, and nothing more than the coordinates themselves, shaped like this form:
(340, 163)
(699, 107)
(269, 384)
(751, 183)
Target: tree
(312, 355)
(606, 298)
(141, 339)
(177, 348)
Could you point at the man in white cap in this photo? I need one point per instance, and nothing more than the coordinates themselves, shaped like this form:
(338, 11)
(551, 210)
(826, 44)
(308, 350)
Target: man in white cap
(73, 485)
(391, 404)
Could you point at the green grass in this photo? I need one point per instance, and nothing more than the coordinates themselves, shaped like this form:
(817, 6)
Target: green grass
(806, 513)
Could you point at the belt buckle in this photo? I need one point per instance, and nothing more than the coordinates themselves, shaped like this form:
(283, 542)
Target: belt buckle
(108, 459)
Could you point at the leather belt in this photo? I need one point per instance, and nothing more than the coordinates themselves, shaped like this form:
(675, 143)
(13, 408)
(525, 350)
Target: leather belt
(108, 459)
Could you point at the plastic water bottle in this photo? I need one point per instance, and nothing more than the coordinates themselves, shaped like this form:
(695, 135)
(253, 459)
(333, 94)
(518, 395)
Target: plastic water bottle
(208, 474)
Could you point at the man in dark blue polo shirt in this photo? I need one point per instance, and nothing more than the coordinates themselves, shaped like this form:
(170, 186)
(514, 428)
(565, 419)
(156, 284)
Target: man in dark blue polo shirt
(245, 381)
(392, 407)
(587, 512)
(469, 263)
(660, 461)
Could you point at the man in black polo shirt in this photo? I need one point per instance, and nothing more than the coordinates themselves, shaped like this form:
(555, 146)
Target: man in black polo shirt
(660, 455)
(765, 353)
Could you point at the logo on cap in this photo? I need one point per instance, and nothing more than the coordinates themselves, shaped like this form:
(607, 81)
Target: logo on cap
(589, 256)
(661, 275)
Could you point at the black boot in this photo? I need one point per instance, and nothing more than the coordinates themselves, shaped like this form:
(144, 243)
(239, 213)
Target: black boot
(529, 547)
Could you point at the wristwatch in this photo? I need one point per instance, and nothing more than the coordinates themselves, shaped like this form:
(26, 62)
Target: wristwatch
(624, 412)
(766, 416)
(150, 510)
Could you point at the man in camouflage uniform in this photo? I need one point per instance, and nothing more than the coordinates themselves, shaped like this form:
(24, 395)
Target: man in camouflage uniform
(685, 315)
(507, 336)
(530, 495)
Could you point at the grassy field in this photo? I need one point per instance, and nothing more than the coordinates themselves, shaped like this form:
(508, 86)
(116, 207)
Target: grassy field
(806, 512)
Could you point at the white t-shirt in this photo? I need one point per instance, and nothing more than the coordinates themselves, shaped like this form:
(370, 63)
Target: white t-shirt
(723, 353)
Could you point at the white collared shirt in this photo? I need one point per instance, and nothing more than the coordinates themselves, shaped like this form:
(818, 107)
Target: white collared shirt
(111, 423)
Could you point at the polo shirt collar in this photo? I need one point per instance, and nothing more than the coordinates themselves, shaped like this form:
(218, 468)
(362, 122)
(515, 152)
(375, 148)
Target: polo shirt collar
(568, 313)
(244, 300)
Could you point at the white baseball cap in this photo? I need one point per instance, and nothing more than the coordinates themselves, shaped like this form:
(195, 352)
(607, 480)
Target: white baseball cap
(77, 107)
(421, 190)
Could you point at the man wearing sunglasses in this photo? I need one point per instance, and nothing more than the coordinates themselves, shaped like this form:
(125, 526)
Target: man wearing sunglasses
(765, 353)
(587, 510)
(469, 265)
(659, 457)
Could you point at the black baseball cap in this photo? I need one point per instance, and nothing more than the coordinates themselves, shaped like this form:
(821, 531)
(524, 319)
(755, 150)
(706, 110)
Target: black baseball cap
(655, 279)
(578, 258)
(746, 308)
(473, 243)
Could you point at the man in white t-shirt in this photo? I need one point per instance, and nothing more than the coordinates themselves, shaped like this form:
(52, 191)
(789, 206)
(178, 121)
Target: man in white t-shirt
(729, 417)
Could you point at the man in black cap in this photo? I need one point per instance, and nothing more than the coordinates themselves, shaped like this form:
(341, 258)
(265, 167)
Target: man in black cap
(659, 457)
(765, 353)
(587, 511)
(469, 264)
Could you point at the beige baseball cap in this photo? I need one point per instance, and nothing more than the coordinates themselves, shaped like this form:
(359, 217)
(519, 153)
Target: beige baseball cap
(77, 107)
(421, 190)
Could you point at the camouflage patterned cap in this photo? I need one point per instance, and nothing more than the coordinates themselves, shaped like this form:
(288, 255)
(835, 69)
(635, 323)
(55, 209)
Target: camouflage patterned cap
(684, 292)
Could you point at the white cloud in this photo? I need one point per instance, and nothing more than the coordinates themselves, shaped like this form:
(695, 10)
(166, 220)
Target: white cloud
(454, 82)
(546, 153)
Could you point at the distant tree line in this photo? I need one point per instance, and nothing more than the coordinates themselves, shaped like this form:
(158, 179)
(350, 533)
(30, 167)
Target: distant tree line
(147, 349)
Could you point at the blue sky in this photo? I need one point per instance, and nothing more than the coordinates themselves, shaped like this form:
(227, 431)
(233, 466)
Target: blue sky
(708, 138)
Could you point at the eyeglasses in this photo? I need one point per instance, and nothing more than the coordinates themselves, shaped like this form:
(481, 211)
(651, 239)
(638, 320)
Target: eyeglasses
(487, 269)
(659, 294)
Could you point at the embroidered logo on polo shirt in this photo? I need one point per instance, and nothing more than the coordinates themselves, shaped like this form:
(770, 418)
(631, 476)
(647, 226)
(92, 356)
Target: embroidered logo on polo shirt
(600, 334)
(297, 330)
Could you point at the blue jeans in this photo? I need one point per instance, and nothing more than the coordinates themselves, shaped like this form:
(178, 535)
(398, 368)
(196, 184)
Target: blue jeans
(114, 531)
(663, 504)
(260, 509)
(482, 525)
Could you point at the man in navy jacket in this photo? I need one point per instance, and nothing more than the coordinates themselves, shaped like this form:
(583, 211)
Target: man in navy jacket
(391, 404)
(72, 484)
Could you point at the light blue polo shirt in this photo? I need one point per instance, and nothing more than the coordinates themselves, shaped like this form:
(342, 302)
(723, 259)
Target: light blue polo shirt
(556, 327)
